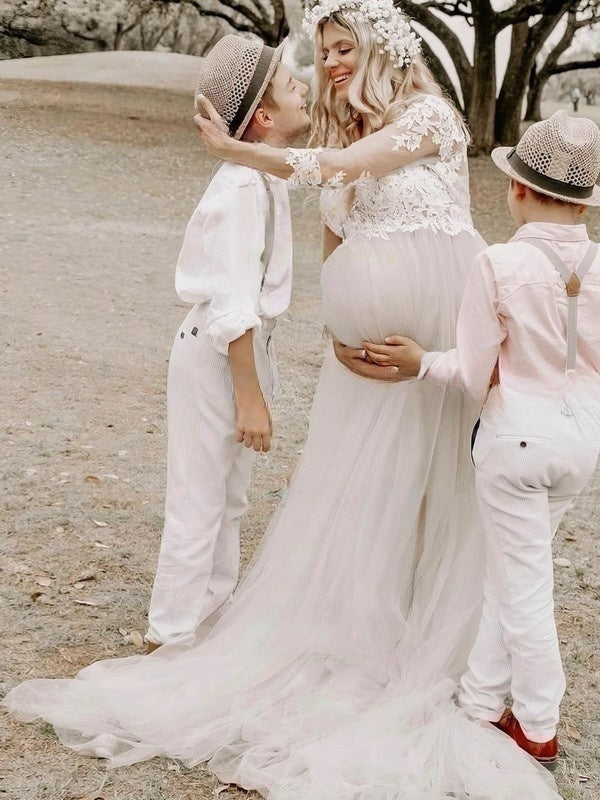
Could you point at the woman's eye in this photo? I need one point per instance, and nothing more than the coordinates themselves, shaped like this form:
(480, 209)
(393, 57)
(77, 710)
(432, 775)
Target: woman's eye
(345, 52)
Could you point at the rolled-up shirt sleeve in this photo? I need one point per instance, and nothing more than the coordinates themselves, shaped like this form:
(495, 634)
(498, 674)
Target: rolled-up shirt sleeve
(480, 332)
(220, 261)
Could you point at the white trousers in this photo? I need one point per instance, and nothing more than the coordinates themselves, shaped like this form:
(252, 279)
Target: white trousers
(525, 483)
(208, 473)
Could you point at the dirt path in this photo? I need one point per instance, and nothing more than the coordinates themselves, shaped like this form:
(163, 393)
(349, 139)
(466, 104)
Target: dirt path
(97, 185)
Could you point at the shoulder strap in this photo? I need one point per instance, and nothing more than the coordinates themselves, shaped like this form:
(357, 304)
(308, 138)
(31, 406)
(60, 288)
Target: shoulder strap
(267, 253)
(573, 282)
(269, 229)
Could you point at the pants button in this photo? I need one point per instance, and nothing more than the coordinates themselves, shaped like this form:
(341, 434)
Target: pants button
(182, 334)
(194, 331)
(523, 444)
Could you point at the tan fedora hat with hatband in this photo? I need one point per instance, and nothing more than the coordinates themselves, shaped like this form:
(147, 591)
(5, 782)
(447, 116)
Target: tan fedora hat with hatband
(559, 157)
(235, 75)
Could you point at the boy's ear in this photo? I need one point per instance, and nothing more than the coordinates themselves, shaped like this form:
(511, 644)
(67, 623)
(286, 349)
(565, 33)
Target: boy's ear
(520, 189)
(262, 117)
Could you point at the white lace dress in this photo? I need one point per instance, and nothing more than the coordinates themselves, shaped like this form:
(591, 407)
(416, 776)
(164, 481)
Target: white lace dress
(331, 674)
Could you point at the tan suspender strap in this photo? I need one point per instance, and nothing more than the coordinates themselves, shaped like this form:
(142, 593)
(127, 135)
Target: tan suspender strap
(573, 281)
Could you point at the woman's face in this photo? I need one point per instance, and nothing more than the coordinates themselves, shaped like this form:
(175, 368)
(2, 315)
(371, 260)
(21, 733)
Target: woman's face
(340, 57)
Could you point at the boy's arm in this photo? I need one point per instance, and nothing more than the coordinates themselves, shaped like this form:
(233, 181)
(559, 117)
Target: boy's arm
(479, 334)
(254, 427)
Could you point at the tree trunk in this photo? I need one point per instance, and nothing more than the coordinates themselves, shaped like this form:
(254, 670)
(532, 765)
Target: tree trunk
(533, 112)
(514, 85)
(482, 106)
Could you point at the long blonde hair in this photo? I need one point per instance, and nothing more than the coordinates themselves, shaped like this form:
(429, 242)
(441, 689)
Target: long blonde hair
(378, 94)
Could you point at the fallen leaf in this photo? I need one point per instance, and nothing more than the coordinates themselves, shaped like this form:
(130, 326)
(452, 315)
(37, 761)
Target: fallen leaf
(123, 632)
(17, 567)
(46, 600)
(34, 596)
(43, 580)
(570, 538)
(136, 638)
(59, 529)
(80, 584)
(85, 602)
(101, 544)
(100, 524)
(562, 562)
(87, 575)
(66, 656)
(572, 732)
(583, 778)
(92, 479)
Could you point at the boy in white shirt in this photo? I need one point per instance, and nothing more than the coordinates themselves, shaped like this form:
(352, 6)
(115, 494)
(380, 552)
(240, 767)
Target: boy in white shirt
(533, 306)
(235, 265)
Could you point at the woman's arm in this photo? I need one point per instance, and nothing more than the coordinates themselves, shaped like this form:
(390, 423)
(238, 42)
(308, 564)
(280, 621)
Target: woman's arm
(423, 130)
(330, 242)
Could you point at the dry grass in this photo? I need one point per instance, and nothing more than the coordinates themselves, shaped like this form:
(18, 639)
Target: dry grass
(97, 187)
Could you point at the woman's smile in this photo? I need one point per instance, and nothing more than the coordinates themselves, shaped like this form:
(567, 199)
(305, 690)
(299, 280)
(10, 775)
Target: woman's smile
(340, 78)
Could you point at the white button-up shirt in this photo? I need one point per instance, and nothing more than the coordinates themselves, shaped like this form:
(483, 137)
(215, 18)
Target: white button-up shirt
(220, 260)
(515, 310)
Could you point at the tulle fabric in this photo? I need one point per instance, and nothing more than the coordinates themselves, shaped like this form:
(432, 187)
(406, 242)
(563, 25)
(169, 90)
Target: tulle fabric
(331, 674)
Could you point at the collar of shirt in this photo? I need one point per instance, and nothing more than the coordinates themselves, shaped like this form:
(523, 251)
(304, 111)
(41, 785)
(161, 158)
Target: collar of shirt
(552, 231)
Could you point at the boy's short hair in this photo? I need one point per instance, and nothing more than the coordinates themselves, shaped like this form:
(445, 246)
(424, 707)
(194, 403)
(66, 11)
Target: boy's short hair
(268, 98)
(544, 199)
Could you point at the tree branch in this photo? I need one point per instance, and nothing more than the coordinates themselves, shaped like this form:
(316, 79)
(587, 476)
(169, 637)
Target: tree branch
(448, 38)
(441, 74)
(570, 66)
(523, 10)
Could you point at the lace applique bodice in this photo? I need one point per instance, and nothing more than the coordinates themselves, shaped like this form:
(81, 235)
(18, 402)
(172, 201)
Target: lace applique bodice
(432, 192)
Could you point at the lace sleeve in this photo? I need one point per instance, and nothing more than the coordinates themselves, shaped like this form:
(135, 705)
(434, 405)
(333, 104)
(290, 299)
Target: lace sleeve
(432, 117)
(307, 170)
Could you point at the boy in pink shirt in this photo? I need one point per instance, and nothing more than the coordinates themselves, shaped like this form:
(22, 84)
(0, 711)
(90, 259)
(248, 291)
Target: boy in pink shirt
(532, 306)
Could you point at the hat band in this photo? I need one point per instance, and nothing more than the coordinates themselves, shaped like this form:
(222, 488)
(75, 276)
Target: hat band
(254, 87)
(544, 182)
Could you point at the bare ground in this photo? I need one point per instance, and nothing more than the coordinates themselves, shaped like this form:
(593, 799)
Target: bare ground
(97, 185)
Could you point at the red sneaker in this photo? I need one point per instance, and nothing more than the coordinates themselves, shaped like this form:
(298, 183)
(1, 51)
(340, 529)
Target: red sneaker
(544, 752)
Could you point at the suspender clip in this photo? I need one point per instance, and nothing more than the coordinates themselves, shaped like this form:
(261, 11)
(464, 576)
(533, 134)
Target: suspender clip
(573, 286)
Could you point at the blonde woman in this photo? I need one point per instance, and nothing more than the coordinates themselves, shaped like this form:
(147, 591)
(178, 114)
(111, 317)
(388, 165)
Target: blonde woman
(331, 674)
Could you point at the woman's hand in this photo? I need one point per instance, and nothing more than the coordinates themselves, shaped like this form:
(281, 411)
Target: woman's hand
(357, 361)
(213, 129)
(398, 351)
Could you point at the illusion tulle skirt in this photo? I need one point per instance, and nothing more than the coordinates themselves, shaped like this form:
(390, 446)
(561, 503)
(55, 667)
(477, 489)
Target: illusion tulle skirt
(331, 674)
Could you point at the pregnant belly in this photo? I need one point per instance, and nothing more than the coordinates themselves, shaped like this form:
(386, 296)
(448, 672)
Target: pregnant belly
(410, 284)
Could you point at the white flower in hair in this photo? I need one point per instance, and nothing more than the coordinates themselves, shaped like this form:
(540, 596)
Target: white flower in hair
(390, 28)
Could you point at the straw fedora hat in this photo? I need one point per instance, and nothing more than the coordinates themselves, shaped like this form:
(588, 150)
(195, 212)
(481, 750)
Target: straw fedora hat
(559, 157)
(234, 76)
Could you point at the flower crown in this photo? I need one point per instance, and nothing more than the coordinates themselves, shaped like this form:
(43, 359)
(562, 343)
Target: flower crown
(390, 28)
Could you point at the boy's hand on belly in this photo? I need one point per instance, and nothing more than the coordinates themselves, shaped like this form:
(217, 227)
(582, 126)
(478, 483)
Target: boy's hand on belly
(398, 352)
(254, 425)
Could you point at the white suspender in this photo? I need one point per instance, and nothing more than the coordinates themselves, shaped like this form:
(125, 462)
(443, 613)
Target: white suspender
(267, 253)
(269, 230)
(573, 282)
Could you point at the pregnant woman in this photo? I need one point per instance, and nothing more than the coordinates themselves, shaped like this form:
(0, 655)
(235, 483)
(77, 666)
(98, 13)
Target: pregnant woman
(330, 676)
